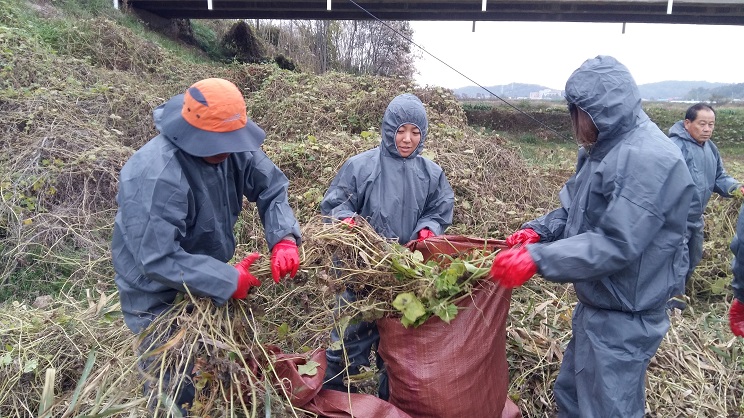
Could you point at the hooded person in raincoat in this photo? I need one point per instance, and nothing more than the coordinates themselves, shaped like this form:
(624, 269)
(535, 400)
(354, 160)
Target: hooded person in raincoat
(692, 136)
(179, 199)
(402, 195)
(618, 237)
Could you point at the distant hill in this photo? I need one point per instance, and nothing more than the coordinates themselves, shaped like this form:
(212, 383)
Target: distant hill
(729, 91)
(677, 90)
(661, 91)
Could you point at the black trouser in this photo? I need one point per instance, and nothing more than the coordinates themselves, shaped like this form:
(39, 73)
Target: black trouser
(167, 388)
(358, 340)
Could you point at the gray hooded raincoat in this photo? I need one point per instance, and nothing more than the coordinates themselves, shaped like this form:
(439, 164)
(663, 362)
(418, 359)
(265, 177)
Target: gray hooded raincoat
(398, 196)
(705, 165)
(174, 227)
(618, 237)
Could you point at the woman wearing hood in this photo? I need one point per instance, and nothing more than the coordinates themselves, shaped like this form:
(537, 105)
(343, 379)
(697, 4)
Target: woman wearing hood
(402, 195)
(618, 237)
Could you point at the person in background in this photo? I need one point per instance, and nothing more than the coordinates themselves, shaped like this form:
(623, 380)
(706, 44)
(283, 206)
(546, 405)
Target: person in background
(179, 199)
(736, 311)
(692, 136)
(618, 237)
(403, 196)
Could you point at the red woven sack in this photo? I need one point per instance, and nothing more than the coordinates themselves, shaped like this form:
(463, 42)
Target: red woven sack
(453, 245)
(440, 370)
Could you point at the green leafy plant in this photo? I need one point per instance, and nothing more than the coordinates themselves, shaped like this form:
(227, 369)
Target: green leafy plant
(439, 284)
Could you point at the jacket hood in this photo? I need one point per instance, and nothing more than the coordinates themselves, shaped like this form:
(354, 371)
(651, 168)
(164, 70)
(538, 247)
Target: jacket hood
(403, 109)
(605, 89)
(678, 130)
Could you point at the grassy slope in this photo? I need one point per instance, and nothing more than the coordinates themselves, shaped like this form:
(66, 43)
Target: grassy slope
(77, 90)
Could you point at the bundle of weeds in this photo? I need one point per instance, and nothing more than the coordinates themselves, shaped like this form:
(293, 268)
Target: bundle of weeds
(387, 277)
(43, 352)
(217, 346)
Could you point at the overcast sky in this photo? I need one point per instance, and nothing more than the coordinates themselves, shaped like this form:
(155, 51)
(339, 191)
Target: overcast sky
(547, 53)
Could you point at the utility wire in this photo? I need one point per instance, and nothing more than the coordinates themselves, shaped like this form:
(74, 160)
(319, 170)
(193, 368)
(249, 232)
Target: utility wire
(409, 40)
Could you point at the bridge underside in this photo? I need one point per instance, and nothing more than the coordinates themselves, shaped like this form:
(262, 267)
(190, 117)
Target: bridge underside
(708, 12)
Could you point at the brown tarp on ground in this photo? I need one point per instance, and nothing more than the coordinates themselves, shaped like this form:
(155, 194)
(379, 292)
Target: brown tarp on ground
(305, 391)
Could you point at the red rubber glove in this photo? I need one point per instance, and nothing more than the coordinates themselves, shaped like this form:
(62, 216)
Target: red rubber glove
(245, 278)
(736, 318)
(285, 259)
(523, 236)
(349, 221)
(425, 233)
(513, 267)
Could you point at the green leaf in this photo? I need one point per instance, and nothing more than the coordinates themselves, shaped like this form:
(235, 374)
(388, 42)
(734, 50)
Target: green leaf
(30, 365)
(343, 323)
(417, 256)
(308, 369)
(470, 267)
(410, 306)
(5, 360)
(283, 330)
(720, 286)
(400, 268)
(447, 312)
(89, 363)
(446, 281)
(476, 272)
(455, 270)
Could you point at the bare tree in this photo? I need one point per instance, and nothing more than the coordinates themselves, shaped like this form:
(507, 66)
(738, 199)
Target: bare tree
(359, 47)
(378, 48)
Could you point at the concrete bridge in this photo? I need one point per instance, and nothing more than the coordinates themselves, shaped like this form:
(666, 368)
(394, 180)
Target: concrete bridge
(706, 12)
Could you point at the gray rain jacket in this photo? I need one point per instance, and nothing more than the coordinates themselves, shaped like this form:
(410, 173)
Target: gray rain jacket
(706, 168)
(398, 196)
(174, 226)
(737, 264)
(619, 233)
